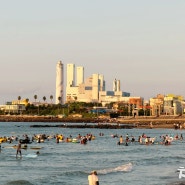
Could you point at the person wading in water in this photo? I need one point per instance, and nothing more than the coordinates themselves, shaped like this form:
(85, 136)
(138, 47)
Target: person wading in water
(19, 149)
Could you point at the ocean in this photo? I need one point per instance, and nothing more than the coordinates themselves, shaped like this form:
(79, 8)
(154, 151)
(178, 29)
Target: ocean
(70, 163)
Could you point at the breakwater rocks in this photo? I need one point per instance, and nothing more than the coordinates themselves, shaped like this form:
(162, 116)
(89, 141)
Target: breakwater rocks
(93, 125)
(124, 122)
(177, 122)
(23, 118)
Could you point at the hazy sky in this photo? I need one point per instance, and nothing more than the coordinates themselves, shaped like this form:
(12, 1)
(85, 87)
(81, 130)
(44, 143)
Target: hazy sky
(140, 42)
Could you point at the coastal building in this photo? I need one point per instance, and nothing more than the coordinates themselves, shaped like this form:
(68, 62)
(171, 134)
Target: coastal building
(11, 108)
(71, 88)
(59, 83)
(79, 90)
(106, 97)
(173, 104)
(92, 89)
(169, 104)
(89, 90)
(79, 75)
(156, 104)
(70, 75)
(116, 85)
(132, 104)
(22, 102)
(18, 109)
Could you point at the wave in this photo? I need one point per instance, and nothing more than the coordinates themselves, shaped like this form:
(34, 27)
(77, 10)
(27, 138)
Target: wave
(122, 168)
(31, 155)
(19, 182)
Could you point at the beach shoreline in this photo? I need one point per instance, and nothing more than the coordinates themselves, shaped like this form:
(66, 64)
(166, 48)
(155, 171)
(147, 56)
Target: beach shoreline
(131, 122)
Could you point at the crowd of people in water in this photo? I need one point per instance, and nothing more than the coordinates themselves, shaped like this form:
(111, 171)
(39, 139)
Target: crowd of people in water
(126, 140)
(41, 138)
(83, 139)
(147, 140)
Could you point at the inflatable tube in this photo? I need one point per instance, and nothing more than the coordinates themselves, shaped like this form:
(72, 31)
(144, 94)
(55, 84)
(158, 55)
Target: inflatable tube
(2, 140)
(93, 138)
(22, 147)
(60, 137)
(69, 140)
(36, 148)
(75, 140)
(41, 141)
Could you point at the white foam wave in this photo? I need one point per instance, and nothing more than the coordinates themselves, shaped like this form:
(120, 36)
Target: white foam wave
(122, 168)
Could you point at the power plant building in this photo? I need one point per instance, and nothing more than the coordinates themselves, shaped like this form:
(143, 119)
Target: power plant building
(91, 89)
(71, 88)
(87, 91)
(79, 75)
(70, 75)
(59, 83)
(114, 96)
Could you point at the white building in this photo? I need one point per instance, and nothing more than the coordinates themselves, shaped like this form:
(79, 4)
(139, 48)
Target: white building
(59, 82)
(173, 105)
(14, 108)
(92, 89)
(89, 90)
(79, 75)
(116, 85)
(71, 88)
(102, 83)
(113, 96)
(70, 75)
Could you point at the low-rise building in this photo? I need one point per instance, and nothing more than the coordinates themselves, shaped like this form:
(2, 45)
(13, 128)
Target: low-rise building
(157, 104)
(173, 104)
(15, 109)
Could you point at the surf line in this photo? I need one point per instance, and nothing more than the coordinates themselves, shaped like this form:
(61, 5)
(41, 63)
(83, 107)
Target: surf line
(123, 168)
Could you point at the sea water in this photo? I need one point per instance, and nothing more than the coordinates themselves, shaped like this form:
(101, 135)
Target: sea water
(70, 163)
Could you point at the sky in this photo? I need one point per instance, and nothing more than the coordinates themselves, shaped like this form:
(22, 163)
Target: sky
(139, 42)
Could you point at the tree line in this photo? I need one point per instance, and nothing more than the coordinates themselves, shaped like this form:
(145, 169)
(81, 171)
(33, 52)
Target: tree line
(82, 108)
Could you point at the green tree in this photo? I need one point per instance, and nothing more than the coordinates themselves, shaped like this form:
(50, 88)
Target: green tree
(44, 98)
(59, 104)
(51, 98)
(35, 97)
(27, 100)
(59, 99)
(19, 98)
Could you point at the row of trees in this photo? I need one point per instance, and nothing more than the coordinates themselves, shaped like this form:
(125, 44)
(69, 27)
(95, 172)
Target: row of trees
(78, 108)
(44, 98)
(59, 109)
(36, 97)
